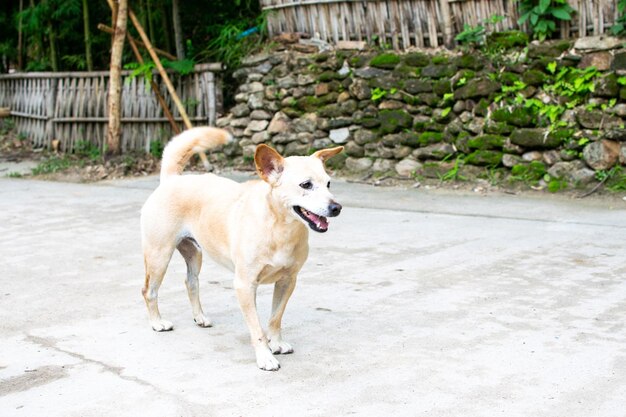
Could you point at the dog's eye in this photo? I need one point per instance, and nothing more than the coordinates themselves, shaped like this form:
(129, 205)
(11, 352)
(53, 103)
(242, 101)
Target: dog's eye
(328, 185)
(307, 185)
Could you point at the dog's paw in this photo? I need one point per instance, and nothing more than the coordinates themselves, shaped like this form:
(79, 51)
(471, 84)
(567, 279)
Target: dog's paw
(202, 321)
(280, 347)
(266, 361)
(162, 325)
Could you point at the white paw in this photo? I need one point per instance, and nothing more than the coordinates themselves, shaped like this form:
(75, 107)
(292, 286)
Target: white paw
(202, 321)
(161, 325)
(280, 347)
(266, 361)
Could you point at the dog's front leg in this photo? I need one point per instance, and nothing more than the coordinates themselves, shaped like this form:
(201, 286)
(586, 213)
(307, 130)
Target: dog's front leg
(282, 291)
(246, 294)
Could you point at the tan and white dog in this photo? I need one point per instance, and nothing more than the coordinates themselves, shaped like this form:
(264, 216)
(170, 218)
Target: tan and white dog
(258, 229)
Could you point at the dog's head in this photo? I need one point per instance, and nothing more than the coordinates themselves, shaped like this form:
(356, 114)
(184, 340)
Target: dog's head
(301, 184)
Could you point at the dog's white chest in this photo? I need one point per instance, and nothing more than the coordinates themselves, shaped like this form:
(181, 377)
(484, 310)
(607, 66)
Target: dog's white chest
(282, 258)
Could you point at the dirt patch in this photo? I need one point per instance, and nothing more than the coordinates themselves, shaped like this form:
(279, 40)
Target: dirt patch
(32, 378)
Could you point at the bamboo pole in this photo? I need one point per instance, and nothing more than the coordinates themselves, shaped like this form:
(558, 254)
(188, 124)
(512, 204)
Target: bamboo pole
(161, 52)
(154, 86)
(166, 79)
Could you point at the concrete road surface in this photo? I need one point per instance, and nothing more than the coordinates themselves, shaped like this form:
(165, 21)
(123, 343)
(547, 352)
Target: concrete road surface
(415, 303)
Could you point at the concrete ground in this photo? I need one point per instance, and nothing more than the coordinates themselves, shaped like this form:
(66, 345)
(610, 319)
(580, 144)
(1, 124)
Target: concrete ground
(415, 303)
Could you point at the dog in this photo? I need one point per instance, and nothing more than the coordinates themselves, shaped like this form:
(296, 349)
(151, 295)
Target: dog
(257, 229)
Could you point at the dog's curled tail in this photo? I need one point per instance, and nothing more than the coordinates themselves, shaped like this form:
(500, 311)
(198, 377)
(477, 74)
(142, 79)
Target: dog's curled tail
(182, 147)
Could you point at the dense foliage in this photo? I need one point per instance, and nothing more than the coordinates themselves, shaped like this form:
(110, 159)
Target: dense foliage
(54, 35)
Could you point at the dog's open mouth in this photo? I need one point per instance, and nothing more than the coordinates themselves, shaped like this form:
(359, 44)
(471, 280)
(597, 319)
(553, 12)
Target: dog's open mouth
(315, 222)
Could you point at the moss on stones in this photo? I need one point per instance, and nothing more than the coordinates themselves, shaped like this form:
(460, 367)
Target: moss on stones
(327, 76)
(537, 138)
(440, 60)
(485, 142)
(507, 39)
(470, 61)
(385, 61)
(534, 77)
(551, 49)
(498, 128)
(508, 78)
(358, 61)
(477, 87)
(416, 59)
(484, 158)
(392, 121)
(438, 71)
(312, 103)
(321, 57)
(518, 116)
(442, 87)
(414, 86)
(607, 86)
(428, 138)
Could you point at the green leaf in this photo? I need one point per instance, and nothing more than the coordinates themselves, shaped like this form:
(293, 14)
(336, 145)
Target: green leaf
(446, 111)
(551, 67)
(543, 5)
(561, 14)
(533, 19)
(523, 18)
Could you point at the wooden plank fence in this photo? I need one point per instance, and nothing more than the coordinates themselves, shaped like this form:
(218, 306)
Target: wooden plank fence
(72, 106)
(417, 23)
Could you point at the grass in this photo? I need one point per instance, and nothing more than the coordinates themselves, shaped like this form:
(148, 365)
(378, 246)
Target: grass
(53, 164)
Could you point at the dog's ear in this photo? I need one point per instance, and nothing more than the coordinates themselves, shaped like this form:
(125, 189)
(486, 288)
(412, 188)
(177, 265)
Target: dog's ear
(326, 154)
(269, 163)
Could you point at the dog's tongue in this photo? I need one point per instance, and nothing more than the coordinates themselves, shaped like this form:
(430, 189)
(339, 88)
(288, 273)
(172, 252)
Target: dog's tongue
(320, 221)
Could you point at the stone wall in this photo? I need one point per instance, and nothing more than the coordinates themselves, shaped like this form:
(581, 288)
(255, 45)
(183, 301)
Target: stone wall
(546, 115)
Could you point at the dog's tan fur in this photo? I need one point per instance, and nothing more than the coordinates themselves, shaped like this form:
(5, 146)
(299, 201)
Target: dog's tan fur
(251, 228)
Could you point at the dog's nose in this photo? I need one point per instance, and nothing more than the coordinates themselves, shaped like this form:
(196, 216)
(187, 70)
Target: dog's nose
(334, 209)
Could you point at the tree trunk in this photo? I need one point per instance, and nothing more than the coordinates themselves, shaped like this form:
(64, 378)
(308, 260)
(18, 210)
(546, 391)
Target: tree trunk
(20, 41)
(88, 57)
(167, 32)
(115, 81)
(178, 31)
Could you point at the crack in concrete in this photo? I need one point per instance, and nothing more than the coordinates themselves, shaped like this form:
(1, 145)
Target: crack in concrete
(116, 370)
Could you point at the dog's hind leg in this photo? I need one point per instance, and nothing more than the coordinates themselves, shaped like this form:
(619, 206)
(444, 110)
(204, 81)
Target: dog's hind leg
(192, 253)
(156, 261)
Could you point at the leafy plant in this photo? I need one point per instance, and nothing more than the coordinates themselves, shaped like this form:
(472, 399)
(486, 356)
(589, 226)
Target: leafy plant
(619, 27)
(614, 178)
(230, 45)
(156, 148)
(530, 174)
(87, 149)
(543, 15)
(453, 174)
(379, 93)
(476, 35)
(556, 184)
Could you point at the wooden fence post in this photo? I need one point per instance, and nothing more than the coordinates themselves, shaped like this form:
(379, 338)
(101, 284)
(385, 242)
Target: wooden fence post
(448, 38)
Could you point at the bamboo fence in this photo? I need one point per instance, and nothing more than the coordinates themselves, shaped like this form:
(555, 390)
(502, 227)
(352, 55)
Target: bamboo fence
(402, 24)
(72, 106)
